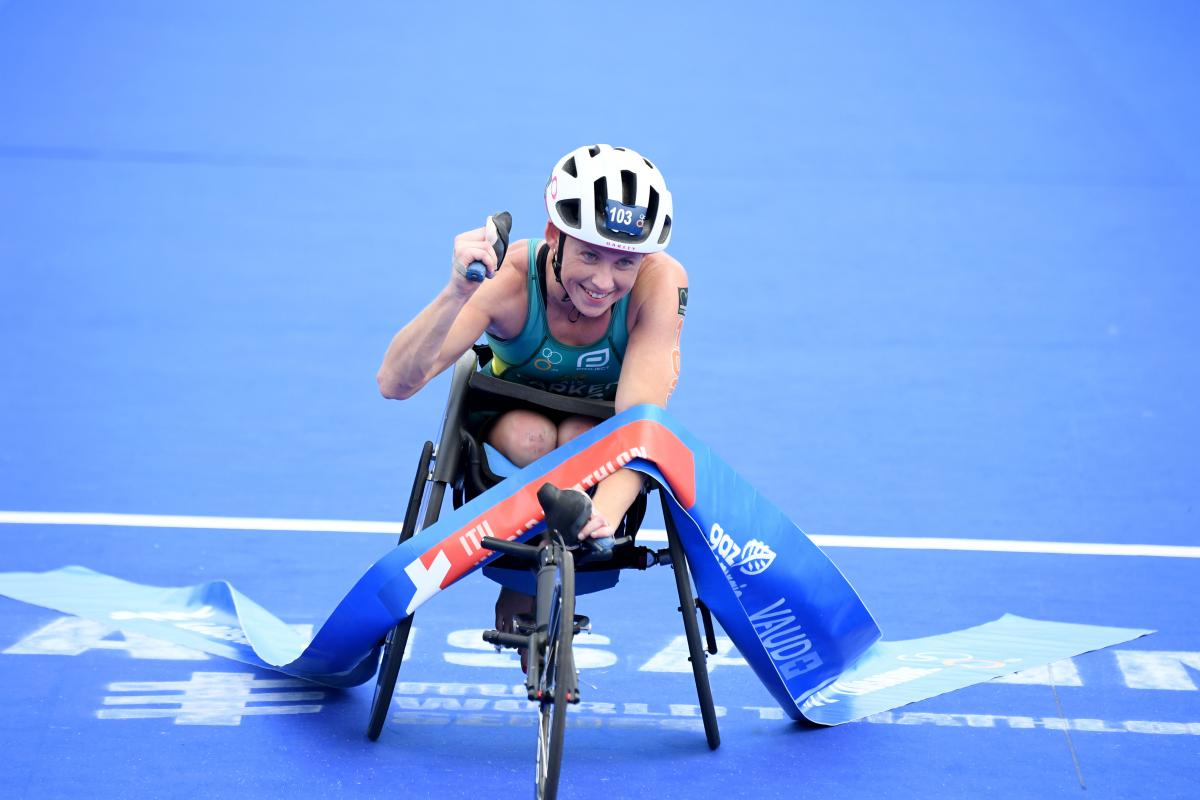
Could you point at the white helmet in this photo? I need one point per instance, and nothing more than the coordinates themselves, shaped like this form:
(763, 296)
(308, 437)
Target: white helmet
(611, 197)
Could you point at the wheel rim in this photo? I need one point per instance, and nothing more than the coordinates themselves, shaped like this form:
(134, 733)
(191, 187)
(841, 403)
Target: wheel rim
(549, 687)
(552, 710)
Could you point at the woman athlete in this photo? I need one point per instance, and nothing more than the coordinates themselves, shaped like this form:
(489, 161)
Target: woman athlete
(595, 310)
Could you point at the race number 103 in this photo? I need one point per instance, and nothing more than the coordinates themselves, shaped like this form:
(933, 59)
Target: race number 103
(625, 219)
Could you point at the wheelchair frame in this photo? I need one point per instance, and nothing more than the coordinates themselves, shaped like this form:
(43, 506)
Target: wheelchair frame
(551, 679)
(458, 464)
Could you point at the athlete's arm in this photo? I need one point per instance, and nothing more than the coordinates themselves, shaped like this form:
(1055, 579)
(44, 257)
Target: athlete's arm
(649, 372)
(449, 325)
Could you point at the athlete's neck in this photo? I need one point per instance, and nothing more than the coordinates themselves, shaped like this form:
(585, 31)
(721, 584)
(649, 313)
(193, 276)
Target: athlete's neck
(566, 323)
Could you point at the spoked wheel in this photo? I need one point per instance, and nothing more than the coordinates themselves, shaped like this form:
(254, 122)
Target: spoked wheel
(557, 680)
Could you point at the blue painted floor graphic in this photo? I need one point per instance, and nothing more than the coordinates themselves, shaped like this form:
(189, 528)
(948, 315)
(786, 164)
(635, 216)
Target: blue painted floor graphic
(215, 618)
(942, 284)
(457, 697)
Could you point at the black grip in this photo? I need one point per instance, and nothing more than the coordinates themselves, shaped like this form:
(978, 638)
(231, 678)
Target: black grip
(566, 511)
(476, 271)
(503, 221)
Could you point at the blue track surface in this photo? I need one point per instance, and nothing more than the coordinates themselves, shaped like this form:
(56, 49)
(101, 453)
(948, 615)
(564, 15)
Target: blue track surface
(943, 275)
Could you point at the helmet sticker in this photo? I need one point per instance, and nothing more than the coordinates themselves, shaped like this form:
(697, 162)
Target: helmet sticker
(621, 218)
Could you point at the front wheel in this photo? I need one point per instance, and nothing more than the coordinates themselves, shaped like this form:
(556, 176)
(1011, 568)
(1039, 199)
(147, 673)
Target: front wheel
(557, 680)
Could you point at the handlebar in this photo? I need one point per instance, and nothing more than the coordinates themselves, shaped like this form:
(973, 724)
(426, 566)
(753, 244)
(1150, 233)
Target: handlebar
(525, 552)
(566, 514)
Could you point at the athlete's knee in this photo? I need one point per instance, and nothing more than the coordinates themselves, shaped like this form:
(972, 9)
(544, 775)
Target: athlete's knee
(523, 436)
(574, 426)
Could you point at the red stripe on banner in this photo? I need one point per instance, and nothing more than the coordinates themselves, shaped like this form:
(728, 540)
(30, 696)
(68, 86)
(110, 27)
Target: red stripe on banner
(517, 514)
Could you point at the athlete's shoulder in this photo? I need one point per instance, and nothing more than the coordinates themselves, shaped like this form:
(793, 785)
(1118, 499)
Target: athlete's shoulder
(504, 297)
(518, 253)
(661, 286)
(661, 268)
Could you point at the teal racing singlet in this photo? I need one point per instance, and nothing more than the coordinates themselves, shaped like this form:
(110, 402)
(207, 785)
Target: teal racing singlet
(535, 358)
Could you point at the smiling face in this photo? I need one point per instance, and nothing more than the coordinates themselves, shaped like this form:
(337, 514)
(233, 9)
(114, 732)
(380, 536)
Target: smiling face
(594, 277)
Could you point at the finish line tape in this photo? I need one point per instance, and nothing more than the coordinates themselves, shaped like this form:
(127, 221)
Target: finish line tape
(790, 612)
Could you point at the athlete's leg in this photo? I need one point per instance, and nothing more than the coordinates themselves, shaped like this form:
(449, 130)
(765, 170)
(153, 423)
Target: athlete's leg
(523, 436)
(574, 426)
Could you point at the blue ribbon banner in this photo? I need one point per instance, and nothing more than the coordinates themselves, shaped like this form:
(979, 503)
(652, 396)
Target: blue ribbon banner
(790, 612)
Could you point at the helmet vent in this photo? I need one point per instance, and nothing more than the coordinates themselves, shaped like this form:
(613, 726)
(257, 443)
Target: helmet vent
(601, 201)
(628, 187)
(594, 150)
(652, 208)
(568, 210)
(666, 231)
(569, 167)
(648, 164)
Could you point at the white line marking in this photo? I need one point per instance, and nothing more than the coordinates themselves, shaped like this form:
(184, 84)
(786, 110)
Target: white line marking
(646, 535)
(1009, 546)
(210, 523)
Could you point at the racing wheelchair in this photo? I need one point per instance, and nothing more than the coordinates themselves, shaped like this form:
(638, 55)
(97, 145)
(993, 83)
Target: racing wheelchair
(459, 464)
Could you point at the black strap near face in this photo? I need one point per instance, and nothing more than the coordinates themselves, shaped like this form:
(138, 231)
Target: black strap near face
(542, 254)
(574, 314)
(558, 251)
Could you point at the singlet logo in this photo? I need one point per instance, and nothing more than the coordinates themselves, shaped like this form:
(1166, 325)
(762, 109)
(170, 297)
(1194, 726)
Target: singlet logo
(597, 359)
(547, 360)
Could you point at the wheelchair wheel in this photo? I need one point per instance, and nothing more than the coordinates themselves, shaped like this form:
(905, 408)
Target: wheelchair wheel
(385, 684)
(556, 679)
(687, 607)
(397, 639)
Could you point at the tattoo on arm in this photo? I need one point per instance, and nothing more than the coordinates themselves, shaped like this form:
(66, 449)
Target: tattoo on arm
(675, 353)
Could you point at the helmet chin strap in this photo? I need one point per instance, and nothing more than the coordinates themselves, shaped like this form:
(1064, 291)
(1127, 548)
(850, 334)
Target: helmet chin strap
(573, 315)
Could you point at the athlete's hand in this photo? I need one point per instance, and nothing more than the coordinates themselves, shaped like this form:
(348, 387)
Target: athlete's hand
(509, 604)
(596, 528)
(470, 246)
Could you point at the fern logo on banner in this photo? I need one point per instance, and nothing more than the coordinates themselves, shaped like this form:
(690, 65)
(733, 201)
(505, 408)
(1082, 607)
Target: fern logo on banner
(752, 558)
(756, 557)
